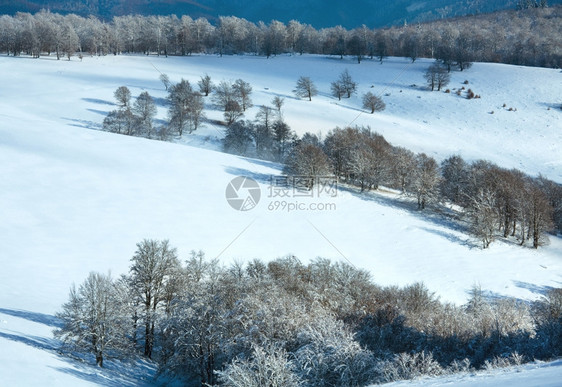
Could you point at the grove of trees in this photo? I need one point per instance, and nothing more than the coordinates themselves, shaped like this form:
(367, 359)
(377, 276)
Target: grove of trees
(528, 36)
(287, 323)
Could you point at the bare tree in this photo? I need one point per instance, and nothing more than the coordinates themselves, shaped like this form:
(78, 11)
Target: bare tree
(242, 91)
(307, 162)
(278, 103)
(426, 180)
(337, 89)
(232, 112)
(238, 138)
(123, 97)
(120, 121)
(437, 75)
(269, 367)
(165, 79)
(281, 135)
(153, 265)
(305, 88)
(348, 84)
(223, 94)
(186, 107)
(205, 85)
(92, 319)
(145, 109)
(373, 102)
(454, 185)
(483, 216)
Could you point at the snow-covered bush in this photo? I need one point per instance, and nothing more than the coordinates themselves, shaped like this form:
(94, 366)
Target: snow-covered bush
(328, 355)
(267, 367)
(408, 366)
(513, 359)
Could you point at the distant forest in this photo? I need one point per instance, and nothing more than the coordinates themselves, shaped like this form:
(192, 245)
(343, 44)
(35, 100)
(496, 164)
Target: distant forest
(318, 13)
(530, 37)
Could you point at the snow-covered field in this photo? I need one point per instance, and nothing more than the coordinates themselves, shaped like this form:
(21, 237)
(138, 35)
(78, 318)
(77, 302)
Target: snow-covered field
(75, 200)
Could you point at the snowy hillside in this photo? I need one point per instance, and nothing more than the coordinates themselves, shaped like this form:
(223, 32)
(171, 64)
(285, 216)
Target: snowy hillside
(75, 200)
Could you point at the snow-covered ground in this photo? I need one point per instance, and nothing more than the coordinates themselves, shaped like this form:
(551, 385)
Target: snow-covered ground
(75, 200)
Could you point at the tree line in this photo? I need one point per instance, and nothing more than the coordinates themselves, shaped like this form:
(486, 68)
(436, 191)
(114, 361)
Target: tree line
(529, 36)
(287, 323)
(496, 202)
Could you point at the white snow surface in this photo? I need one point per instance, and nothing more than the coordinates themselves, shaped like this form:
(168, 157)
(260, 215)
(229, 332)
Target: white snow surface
(74, 199)
(537, 374)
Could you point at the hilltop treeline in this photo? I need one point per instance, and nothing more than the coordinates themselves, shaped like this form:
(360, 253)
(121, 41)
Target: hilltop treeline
(286, 323)
(525, 37)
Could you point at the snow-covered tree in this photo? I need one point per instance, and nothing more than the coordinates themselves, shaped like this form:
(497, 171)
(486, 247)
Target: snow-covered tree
(437, 76)
(123, 97)
(153, 266)
(186, 107)
(307, 162)
(242, 91)
(328, 355)
(205, 85)
(120, 121)
(373, 102)
(426, 180)
(305, 88)
(145, 109)
(165, 79)
(267, 367)
(93, 319)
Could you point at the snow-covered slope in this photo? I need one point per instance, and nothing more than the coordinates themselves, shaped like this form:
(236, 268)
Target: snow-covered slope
(73, 200)
(536, 374)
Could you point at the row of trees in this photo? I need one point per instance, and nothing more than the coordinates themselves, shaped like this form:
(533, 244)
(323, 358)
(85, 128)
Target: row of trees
(285, 323)
(185, 107)
(526, 37)
(496, 201)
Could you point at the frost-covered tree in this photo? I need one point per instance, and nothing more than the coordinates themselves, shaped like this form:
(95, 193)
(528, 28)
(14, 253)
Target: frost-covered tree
(454, 184)
(196, 325)
(186, 107)
(93, 320)
(402, 168)
(278, 103)
(153, 266)
(123, 97)
(223, 94)
(369, 161)
(282, 134)
(337, 89)
(205, 85)
(348, 84)
(120, 121)
(232, 112)
(266, 367)
(328, 355)
(437, 76)
(305, 88)
(373, 102)
(145, 110)
(165, 79)
(242, 91)
(238, 138)
(483, 216)
(426, 180)
(307, 162)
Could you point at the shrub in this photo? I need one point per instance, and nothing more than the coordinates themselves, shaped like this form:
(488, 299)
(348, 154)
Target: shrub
(408, 366)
